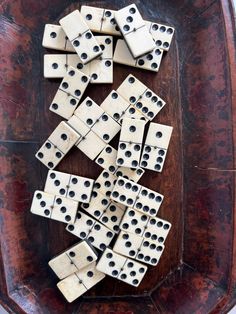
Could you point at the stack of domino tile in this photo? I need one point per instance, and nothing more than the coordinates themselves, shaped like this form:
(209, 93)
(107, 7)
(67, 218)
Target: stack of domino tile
(113, 216)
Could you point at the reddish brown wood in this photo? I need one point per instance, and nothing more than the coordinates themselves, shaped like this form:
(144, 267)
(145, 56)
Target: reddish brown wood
(197, 79)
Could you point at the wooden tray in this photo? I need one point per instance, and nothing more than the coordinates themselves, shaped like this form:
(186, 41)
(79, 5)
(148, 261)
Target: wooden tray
(197, 79)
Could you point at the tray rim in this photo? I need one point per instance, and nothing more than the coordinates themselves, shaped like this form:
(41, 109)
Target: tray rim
(228, 299)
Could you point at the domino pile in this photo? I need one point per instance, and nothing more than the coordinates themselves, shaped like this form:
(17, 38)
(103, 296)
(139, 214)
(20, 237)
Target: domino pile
(113, 216)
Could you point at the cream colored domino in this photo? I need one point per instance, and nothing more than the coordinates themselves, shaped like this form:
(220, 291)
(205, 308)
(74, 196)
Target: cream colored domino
(105, 182)
(69, 93)
(100, 69)
(57, 145)
(100, 20)
(152, 228)
(97, 205)
(107, 159)
(138, 248)
(134, 113)
(55, 65)
(54, 207)
(93, 231)
(115, 105)
(142, 98)
(156, 146)
(80, 36)
(118, 108)
(112, 216)
(106, 44)
(120, 267)
(97, 119)
(131, 89)
(150, 61)
(79, 126)
(148, 201)
(136, 196)
(132, 130)
(130, 144)
(125, 192)
(68, 185)
(73, 286)
(162, 34)
(55, 38)
(130, 173)
(73, 259)
(89, 112)
(107, 212)
(64, 137)
(91, 145)
(134, 30)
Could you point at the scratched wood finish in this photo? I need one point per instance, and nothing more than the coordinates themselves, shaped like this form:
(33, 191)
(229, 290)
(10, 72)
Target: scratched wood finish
(197, 271)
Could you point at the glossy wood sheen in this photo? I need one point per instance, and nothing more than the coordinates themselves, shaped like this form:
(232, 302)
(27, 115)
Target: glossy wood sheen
(196, 273)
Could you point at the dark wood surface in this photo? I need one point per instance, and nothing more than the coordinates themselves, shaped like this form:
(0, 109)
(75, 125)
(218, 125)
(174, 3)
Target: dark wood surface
(196, 273)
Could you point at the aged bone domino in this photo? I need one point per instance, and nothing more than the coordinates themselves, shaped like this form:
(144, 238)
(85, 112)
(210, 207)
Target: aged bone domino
(105, 211)
(69, 93)
(80, 282)
(68, 185)
(55, 38)
(89, 143)
(105, 183)
(73, 259)
(107, 160)
(134, 30)
(54, 207)
(150, 61)
(122, 268)
(152, 228)
(118, 108)
(156, 146)
(80, 36)
(97, 120)
(130, 144)
(141, 97)
(136, 196)
(100, 20)
(162, 34)
(62, 139)
(100, 70)
(87, 228)
(136, 247)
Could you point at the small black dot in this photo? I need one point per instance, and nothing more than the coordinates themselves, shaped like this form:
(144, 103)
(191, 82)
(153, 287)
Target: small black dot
(76, 43)
(65, 85)
(53, 35)
(88, 17)
(63, 136)
(126, 28)
(88, 35)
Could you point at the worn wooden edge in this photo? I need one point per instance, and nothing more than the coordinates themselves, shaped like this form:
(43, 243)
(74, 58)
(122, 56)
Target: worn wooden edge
(229, 13)
(227, 299)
